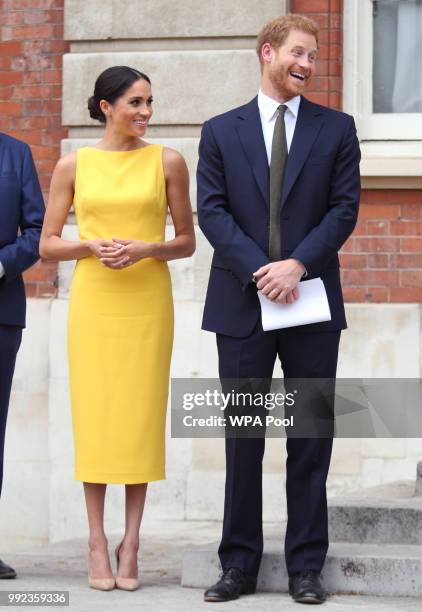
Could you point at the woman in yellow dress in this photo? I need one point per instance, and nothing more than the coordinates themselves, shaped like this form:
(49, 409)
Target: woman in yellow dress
(120, 326)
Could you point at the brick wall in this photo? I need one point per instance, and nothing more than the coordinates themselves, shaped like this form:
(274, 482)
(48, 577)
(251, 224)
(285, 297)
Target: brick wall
(382, 260)
(31, 50)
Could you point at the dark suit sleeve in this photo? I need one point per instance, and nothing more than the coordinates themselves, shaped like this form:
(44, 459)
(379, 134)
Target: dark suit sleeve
(241, 254)
(325, 240)
(23, 252)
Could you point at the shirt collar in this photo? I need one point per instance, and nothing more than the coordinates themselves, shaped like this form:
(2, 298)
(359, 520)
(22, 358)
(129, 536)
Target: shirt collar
(268, 106)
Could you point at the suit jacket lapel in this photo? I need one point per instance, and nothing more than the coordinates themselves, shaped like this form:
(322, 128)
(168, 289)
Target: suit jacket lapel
(308, 124)
(250, 133)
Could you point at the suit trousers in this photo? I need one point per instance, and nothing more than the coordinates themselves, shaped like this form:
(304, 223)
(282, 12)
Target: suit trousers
(310, 354)
(10, 339)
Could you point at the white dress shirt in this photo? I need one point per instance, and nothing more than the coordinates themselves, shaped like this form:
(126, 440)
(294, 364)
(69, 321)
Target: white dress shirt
(268, 114)
(2, 272)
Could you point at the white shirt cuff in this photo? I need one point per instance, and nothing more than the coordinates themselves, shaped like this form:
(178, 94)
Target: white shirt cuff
(2, 272)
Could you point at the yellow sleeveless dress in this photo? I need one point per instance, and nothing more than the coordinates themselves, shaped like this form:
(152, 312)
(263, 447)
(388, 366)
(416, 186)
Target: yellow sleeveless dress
(120, 325)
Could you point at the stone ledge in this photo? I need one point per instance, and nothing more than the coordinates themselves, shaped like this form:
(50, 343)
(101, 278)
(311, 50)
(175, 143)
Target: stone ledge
(366, 569)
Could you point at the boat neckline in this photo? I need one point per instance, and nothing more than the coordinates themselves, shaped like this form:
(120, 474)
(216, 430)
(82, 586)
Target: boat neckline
(119, 151)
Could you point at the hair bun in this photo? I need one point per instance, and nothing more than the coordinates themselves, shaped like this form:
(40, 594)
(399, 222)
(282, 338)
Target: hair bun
(95, 111)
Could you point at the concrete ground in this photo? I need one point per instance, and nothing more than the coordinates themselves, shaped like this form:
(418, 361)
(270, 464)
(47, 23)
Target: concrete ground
(62, 566)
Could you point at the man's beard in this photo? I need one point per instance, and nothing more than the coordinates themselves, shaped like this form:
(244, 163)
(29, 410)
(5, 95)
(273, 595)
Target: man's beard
(279, 82)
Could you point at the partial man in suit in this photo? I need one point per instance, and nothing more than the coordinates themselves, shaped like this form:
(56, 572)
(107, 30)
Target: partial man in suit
(278, 193)
(21, 217)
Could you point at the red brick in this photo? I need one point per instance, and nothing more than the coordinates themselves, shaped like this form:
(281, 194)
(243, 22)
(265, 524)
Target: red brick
(349, 260)
(378, 228)
(32, 107)
(353, 294)
(334, 52)
(10, 108)
(32, 4)
(319, 97)
(376, 196)
(34, 77)
(371, 278)
(26, 32)
(334, 68)
(377, 245)
(411, 245)
(320, 19)
(379, 211)
(44, 152)
(10, 48)
(335, 100)
(29, 123)
(406, 261)
(366, 294)
(320, 83)
(309, 6)
(406, 228)
(46, 166)
(377, 294)
(52, 106)
(379, 260)
(323, 52)
(36, 17)
(33, 91)
(335, 21)
(11, 18)
(360, 228)
(406, 196)
(411, 279)
(349, 246)
(322, 68)
(29, 136)
(411, 211)
(18, 64)
(406, 294)
(10, 78)
(52, 76)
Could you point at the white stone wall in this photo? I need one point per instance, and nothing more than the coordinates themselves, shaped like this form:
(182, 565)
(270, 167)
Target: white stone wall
(200, 56)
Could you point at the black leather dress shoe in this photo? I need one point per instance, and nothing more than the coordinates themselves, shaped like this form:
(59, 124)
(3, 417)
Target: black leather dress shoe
(306, 588)
(232, 583)
(6, 571)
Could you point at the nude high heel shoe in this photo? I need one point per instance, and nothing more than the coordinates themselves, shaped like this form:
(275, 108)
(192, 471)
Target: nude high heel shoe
(101, 584)
(126, 584)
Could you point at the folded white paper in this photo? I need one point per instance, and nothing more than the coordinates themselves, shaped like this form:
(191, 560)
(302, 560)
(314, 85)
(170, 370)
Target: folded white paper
(311, 307)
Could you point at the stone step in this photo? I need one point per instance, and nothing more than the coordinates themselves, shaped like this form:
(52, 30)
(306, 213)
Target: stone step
(365, 569)
(389, 514)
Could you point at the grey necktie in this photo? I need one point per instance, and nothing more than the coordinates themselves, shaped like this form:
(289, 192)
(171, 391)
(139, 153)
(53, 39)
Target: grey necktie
(278, 161)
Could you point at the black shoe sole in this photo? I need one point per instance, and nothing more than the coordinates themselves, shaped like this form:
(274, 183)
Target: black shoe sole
(7, 575)
(217, 599)
(307, 599)
(210, 598)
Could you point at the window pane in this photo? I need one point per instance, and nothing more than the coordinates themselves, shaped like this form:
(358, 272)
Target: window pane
(397, 56)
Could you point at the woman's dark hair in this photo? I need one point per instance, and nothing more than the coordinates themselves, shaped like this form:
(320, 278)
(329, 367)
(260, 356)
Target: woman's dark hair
(110, 85)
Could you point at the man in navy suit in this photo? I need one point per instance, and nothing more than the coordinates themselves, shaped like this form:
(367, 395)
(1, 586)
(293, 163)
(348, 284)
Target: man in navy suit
(21, 217)
(278, 194)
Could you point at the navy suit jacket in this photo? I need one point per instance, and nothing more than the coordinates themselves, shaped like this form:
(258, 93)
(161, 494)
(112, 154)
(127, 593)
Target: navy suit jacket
(318, 208)
(21, 217)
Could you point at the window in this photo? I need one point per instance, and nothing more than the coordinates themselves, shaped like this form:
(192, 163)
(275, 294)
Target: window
(383, 68)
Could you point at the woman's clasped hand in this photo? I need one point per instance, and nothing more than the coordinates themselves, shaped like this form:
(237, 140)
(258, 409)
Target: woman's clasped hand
(119, 253)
